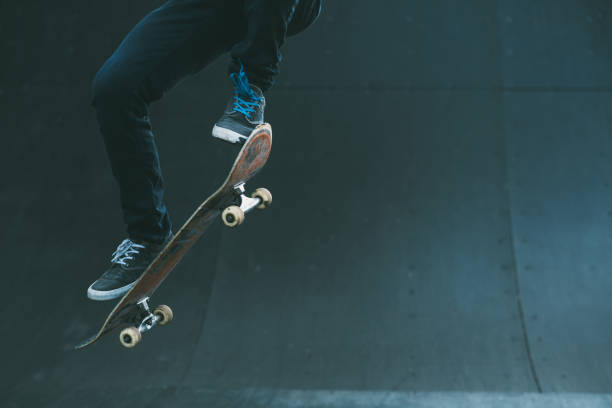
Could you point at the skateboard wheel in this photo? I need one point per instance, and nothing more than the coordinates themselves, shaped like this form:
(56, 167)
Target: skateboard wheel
(232, 216)
(165, 314)
(130, 336)
(264, 195)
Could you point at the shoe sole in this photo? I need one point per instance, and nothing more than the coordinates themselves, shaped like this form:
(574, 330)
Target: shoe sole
(228, 135)
(94, 294)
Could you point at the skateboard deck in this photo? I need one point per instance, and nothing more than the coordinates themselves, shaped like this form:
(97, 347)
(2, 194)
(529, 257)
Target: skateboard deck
(228, 203)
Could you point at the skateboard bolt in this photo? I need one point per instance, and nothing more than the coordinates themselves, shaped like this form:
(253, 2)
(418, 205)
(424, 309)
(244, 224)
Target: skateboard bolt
(230, 218)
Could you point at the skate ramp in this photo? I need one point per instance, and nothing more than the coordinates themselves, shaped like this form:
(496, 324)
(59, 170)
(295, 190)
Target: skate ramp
(440, 232)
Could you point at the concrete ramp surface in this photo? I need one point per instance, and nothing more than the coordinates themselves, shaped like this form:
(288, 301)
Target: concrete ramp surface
(440, 234)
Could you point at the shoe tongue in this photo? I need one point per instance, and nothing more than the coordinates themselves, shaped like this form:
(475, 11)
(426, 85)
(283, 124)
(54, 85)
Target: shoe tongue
(139, 241)
(242, 85)
(255, 91)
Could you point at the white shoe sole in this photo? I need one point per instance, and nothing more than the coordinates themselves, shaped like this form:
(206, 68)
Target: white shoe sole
(108, 294)
(227, 135)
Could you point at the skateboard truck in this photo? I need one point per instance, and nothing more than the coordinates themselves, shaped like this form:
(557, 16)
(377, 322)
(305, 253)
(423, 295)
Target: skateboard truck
(150, 319)
(131, 336)
(234, 215)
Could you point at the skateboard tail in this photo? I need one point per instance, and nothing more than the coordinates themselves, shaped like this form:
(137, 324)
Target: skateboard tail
(86, 342)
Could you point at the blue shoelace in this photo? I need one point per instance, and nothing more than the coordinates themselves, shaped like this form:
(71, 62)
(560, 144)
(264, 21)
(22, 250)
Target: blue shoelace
(245, 100)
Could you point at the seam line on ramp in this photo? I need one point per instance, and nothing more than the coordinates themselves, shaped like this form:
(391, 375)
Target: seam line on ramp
(507, 199)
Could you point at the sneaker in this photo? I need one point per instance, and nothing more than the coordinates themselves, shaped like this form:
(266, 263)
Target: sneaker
(244, 111)
(129, 261)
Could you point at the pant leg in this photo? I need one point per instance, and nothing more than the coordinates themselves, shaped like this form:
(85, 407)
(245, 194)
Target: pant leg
(175, 40)
(268, 24)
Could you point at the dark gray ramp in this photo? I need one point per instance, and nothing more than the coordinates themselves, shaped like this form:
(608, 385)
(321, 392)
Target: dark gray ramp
(558, 45)
(439, 234)
(556, 111)
(421, 44)
(560, 152)
(378, 281)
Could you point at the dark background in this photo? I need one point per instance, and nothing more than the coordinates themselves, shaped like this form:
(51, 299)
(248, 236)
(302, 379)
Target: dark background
(440, 233)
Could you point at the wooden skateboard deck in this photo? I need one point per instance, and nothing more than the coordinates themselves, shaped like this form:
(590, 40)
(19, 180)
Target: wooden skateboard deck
(133, 309)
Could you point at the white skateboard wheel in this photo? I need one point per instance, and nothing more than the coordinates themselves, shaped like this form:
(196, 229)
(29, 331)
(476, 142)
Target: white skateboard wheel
(232, 216)
(165, 314)
(264, 195)
(130, 337)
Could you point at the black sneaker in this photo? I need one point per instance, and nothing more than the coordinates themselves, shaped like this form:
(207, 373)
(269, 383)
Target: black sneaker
(129, 260)
(244, 111)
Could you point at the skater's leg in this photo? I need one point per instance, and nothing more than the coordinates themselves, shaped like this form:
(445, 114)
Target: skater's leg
(255, 60)
(268, 23)
(171, 42)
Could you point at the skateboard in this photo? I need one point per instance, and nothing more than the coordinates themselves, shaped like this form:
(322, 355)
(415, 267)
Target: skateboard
(230, 203)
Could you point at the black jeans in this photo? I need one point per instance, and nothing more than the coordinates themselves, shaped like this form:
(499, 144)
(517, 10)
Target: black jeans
(180, 38)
